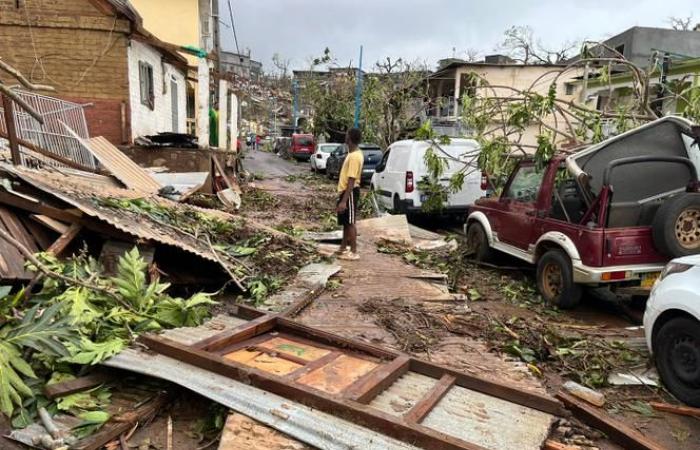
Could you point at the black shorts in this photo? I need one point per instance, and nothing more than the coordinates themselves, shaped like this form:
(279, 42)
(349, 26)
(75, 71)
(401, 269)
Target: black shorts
(349, 216)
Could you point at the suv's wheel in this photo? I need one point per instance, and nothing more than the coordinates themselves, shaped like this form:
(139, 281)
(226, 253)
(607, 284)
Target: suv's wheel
(677, 356)
(676, 226)
(478, 242)
(555, 280)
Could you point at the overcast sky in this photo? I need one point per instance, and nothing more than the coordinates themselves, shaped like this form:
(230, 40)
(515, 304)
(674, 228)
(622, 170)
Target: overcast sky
(426, 30)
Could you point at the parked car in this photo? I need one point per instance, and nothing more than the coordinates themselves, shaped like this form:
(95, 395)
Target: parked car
(672, 328)
(302, 146)
(600, 217)
(395, 182)
(372, 157)
(319, 158)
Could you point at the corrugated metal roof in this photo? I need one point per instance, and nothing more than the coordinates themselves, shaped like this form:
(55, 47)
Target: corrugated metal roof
(121, 166)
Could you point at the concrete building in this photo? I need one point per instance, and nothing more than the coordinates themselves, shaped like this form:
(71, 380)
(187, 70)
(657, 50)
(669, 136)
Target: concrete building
(638, 44)
(448, 86)
(241, 66)
(90, 51)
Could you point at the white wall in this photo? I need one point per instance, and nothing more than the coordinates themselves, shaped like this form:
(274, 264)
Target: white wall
(145, 121)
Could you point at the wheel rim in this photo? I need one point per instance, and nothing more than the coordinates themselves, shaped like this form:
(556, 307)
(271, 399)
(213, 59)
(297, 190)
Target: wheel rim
(688, 229)
(552, 281)
(684, 359)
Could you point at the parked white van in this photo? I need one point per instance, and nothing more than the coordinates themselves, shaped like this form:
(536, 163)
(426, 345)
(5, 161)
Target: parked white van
(395, 181)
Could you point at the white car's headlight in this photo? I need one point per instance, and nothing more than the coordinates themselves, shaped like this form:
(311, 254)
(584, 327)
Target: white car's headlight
(672, 268)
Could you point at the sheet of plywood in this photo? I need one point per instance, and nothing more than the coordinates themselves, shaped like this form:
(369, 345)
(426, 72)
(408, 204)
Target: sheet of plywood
(294, 348)
(263, 361)
(338, 374)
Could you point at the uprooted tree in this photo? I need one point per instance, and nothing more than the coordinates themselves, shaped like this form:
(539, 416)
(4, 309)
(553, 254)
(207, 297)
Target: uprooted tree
(499, 117)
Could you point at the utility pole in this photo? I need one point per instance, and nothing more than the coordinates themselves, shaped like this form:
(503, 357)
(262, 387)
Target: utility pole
(358, 92)
(295, 104)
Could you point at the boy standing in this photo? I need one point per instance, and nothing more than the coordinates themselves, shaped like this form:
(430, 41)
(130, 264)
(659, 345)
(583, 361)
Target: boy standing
(349, 195)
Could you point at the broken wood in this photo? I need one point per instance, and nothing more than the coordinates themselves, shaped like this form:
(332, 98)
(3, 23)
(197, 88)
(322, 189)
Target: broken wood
(11, 136)
(65, 240)
(36, 207)
(554, 445)
(310, 367)
(239, 334)
(617, 431)
(430, 400)
(77, 385)
(52, 224)
(676, 409)
(121, 424)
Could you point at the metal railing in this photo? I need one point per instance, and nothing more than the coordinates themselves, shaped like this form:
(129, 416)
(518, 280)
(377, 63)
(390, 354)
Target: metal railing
(52, 136)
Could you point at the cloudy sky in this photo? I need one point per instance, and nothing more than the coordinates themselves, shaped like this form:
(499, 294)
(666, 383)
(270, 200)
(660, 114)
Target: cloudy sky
(426, 30)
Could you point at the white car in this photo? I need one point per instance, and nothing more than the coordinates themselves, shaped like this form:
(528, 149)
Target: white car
(672, 328)
(396, 178)
(319, 158)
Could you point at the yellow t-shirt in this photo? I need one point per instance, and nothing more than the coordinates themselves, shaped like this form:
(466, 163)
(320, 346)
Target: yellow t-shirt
(352, 168)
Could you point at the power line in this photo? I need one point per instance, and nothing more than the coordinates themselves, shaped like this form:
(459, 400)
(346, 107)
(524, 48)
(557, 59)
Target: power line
(233, 27)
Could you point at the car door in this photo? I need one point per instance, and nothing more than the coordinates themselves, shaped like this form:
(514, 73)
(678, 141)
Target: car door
(515, 219)
(381, 188)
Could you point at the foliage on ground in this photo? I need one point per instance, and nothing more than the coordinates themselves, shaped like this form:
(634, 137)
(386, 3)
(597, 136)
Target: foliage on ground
(66, 326)
(526, 328)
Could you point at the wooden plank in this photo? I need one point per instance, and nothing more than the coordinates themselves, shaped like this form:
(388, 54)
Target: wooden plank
(64, 240)
(17, 229)
(368, 387)
(618, 432)
(495, 389)
(36, 207)
(9, 113)
(289, 326)
(345, 409)
(52, 224)
(77, 385)
(313, 365)
(241, 333)
(431, 399)
(39, 233)
(275, 353)
(676, 409)
(338, 375)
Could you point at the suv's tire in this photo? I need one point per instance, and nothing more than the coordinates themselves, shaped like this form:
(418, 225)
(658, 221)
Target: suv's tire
(555, 280)
(676, 226)
(677, 357)
(478, 242)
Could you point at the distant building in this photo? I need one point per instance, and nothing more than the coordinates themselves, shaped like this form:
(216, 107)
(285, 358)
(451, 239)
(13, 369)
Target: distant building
(240, 66)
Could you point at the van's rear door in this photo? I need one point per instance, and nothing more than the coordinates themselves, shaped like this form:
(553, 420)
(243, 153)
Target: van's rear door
(462, 157)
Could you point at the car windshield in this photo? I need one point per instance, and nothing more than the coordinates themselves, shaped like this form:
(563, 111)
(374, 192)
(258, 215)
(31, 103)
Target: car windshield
(327, 148)
(304, 141)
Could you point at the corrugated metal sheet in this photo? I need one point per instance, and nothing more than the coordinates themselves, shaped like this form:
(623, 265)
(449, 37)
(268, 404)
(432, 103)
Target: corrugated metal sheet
(121, 166)
(305, 424)
(488, 421)
(468, 415)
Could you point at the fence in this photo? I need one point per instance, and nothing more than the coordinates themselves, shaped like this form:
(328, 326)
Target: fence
(52, 135)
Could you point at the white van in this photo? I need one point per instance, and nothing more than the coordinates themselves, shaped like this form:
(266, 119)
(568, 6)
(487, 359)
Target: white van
(395, 181)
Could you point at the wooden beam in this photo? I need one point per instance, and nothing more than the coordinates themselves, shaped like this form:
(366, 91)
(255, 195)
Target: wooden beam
(493, 388)
(37, 207)
(77, 385)
(430, 400)
(313, 365)
(357, 413)
(618, 432)
(238, 334)
(64, 240)
(676, 409)
(368, 387)
(11, 135)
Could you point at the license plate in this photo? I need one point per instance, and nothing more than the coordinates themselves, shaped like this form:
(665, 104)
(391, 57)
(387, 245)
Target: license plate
(648, 279)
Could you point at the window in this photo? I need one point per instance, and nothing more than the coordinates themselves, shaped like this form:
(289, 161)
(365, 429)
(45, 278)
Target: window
(146, 84)
(525, 185)
(569, 88)
(567, 203)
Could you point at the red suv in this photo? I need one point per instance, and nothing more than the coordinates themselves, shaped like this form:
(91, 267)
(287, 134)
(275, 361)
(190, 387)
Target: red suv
(303, 146)
(613, 214)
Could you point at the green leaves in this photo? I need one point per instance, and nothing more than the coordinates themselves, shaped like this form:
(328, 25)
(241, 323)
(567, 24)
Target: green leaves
(91, 353)
(184, 313)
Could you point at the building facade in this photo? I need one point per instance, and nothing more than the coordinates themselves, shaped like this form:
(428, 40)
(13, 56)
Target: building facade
(84, 48)
(240, 66)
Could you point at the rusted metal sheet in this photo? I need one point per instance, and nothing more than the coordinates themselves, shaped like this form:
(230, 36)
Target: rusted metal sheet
(121, 166)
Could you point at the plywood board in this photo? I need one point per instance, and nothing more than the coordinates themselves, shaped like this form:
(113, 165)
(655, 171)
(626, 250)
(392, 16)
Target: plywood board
(403, 395)
(338, 375)
(294, 348)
